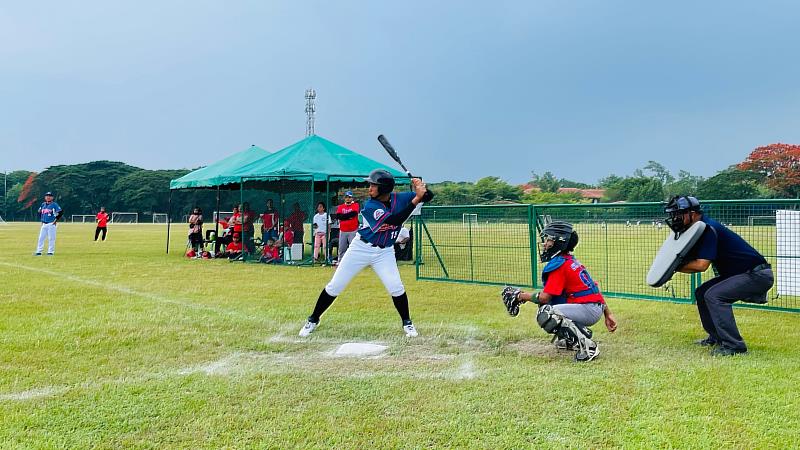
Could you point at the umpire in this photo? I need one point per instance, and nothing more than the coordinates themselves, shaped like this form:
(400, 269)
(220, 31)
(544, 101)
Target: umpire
(741, 274)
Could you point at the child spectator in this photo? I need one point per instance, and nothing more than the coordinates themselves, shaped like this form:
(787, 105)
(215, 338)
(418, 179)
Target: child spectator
(269, 222)
(234, 249)
(271, 253)
(320, 226)
(196, 229)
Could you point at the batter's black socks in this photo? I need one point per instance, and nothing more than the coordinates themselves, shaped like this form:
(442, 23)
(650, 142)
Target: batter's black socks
(324, 302)
(401, 303)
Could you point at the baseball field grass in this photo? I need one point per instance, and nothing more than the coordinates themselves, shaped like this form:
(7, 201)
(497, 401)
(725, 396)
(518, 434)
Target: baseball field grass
(117, 345)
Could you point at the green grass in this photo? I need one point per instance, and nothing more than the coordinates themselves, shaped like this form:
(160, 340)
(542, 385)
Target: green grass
(116, 344)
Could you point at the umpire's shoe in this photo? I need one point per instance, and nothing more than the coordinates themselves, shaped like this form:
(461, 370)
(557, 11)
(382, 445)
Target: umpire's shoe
(707, 342)
(308, 328)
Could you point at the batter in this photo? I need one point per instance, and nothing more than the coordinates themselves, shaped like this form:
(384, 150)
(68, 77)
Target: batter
(382, 217)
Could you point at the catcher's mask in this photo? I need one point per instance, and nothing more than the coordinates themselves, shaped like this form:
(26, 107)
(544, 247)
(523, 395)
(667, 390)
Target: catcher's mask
(677, 207)
(563, 236)
(383, 179)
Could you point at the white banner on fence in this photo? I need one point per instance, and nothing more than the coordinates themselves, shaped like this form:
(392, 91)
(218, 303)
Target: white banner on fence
(788, 240)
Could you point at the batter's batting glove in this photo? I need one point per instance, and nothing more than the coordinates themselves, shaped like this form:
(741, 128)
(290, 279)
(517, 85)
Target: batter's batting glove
(511, 300)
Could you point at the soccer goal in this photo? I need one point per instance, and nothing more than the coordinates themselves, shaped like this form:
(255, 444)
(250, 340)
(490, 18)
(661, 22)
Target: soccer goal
(159, 218)
(222, 215)
(760, 220)
(469, 219)
(2, 222)
(82, 218)
(124, 217)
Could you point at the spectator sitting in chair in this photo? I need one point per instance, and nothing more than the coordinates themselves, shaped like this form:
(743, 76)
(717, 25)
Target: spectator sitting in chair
(295, 221)
(234, 249)
(271, 253)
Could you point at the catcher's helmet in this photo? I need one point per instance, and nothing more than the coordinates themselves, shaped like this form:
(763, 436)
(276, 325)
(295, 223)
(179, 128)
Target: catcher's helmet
(383, 179)
(563, 236)
(676, 207)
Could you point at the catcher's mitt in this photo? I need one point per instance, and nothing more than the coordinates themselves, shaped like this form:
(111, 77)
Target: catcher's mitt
(511, 300)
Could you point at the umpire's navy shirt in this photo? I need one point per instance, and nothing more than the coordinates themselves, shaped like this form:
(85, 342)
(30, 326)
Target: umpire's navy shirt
(730, 253)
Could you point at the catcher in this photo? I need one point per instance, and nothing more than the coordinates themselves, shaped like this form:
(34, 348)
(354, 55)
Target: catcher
(570, 301)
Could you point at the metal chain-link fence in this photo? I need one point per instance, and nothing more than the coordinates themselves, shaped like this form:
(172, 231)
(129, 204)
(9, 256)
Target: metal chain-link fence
(499, 244)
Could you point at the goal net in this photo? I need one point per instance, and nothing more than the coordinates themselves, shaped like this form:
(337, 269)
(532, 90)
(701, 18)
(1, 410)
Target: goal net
(159, 218)
(82, 218)
(760, 220)
(124, 217)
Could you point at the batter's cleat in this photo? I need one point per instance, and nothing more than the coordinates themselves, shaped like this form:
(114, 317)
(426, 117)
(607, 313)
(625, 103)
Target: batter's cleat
(592, 352)
(707, 342)
(308, 328)
(410, 330)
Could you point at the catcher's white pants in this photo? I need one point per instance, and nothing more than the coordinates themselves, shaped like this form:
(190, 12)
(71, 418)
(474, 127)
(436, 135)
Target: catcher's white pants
(47, 231)
(361, 255)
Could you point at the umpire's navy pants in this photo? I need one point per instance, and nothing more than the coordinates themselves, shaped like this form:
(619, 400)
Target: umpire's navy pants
(715, 299)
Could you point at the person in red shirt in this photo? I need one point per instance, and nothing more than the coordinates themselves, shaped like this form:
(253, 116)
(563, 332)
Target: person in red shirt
(296, 221)
(271, 253)
(102, 223)
(248, 227)
(269, 222)
(570, 301)
(347, 214)
(234, 249)
(235, 221)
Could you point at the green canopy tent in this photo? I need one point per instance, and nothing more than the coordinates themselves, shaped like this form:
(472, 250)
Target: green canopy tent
(220, 172)
(311, 168)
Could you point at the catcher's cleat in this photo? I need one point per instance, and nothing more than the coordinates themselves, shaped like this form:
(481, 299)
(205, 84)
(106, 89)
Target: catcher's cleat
(587, 351)
(510, 296)
(564, 344)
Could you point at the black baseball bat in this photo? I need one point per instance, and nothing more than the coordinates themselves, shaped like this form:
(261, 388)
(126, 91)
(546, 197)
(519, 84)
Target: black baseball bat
(391, 151)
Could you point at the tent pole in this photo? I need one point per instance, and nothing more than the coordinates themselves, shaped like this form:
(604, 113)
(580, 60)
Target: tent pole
(328, 212)
(169, 217)
(216, 224)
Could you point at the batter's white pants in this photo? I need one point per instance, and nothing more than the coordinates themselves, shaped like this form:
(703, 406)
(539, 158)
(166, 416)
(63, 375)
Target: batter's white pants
(48, 231)
(361, 255)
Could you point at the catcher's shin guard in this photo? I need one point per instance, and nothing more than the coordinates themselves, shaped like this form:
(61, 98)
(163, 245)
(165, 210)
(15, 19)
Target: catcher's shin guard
(575, 336)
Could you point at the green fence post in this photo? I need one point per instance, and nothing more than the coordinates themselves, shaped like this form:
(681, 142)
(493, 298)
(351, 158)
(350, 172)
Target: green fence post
(532, 243)
(471, 260)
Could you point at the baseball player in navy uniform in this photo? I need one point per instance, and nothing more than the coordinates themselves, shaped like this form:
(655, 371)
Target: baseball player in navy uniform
(49, 213)
(382, 216)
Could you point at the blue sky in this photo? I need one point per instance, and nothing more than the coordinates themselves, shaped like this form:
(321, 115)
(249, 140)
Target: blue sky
(462, 89)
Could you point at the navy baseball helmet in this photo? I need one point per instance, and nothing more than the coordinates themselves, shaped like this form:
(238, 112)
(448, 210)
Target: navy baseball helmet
(383, 179)
(48, 193)
(676, 207)
(563, 236)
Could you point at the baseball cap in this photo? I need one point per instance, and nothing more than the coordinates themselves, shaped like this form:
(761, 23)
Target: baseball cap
(48, 193)
(348, 193)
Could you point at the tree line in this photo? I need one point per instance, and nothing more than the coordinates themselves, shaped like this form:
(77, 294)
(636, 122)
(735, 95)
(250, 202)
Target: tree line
(771, 171)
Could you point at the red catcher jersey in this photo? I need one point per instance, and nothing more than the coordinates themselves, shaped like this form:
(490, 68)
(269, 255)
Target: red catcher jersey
(572, 282)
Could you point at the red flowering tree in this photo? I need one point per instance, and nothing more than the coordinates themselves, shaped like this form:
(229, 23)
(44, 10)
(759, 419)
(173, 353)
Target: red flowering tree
(27, 197)
(780, 163)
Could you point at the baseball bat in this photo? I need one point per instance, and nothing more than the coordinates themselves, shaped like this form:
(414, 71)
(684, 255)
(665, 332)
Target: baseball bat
(391, 151)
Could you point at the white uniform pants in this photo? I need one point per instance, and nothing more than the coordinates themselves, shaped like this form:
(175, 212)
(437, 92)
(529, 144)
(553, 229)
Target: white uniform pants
(361, 255)
(48, 231)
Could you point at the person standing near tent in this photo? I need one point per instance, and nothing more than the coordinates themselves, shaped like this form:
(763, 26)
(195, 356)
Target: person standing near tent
(102, 223)
(269, 222)
(347, 213)
(248, 227)
(296, 221)
(49, 213)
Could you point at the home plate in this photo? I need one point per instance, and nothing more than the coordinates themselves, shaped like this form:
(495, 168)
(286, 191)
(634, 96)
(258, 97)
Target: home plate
(359, 349)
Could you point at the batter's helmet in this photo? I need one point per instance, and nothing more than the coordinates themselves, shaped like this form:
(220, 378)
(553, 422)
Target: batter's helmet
(383, 179)
(563, 236)
(676, 207)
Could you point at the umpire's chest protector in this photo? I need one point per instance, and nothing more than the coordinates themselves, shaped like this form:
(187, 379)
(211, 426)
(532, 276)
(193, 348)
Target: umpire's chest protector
(670, 255)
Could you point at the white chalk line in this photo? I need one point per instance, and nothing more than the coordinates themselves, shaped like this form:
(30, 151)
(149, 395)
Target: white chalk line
(125, 290)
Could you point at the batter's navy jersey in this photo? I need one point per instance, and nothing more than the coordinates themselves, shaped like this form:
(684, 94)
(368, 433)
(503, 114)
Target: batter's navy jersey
(373, 227)
(49, 212)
